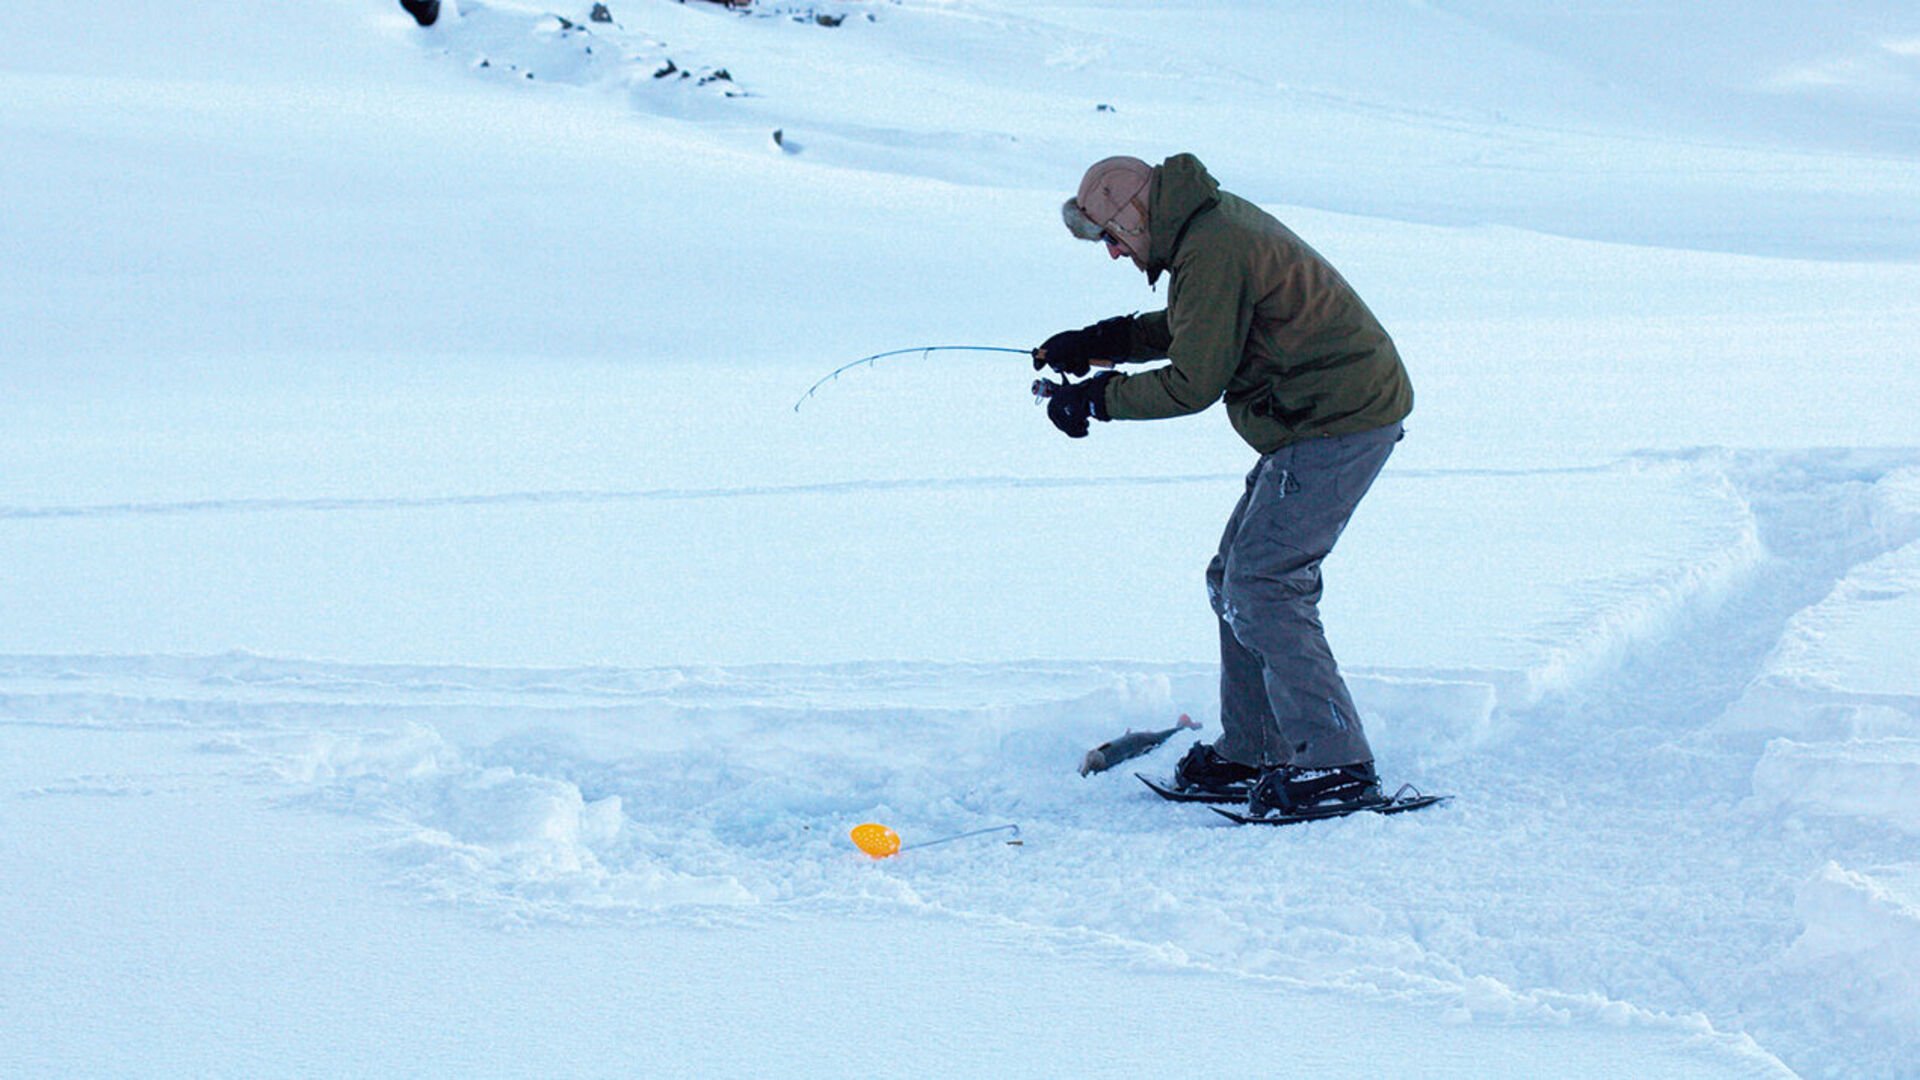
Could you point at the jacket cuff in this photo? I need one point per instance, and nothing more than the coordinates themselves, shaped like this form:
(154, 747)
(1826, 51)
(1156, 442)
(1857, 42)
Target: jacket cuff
(1097, 399)
(1149, 336)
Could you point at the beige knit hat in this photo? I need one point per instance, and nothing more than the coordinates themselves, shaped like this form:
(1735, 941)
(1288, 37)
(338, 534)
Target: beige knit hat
(1113, 198)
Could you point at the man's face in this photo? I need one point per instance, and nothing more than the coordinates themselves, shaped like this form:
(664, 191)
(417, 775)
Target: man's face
(1117, 249)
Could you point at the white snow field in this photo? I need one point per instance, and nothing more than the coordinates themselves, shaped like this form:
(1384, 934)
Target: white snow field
(433, 642)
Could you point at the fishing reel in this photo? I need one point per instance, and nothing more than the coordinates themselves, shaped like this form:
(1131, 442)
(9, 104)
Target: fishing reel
(1044, 388)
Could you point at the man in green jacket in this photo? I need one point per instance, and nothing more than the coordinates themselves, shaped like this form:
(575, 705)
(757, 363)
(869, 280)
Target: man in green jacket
(1259, 320)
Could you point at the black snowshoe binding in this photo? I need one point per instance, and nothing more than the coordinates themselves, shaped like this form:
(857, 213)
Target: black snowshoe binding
(1293, 792)
(1204, 774)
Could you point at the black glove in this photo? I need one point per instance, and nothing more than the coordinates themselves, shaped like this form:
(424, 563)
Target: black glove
(1070, 405)
(1069, 352)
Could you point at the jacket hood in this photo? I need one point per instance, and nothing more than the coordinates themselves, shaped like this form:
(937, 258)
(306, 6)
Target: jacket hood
(1182, 190)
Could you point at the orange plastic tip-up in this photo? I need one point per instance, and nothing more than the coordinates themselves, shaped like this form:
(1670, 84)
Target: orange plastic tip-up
(876, 840)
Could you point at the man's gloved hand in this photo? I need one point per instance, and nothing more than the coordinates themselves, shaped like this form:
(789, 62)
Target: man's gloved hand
(1070, 406)
(1071, 352)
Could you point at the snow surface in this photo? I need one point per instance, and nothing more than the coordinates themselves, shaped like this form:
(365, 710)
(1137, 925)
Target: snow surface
(432, 642)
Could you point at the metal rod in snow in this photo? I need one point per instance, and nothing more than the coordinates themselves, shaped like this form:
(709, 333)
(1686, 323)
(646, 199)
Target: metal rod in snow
(924, 349)
(1015, 829)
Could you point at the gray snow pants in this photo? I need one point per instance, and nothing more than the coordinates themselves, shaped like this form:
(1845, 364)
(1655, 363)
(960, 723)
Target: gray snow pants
(1281, 696)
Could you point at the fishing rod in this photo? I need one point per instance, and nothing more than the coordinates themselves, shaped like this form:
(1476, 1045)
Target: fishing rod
(1042, 388)
(923, 350)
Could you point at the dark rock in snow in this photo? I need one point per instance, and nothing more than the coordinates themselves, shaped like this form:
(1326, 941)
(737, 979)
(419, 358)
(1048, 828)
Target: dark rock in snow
(424, 12)
(600, 14)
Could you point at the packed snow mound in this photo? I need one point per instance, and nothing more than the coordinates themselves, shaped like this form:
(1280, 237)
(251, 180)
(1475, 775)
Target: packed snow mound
(492, 836)
(1895, 509)
(1876, 780)
(1863, 937)
(1838, 645)
(1830, 675)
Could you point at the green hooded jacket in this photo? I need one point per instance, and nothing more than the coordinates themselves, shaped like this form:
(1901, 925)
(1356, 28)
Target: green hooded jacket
(1256, 317)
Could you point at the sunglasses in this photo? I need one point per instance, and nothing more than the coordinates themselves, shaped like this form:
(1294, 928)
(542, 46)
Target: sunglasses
(1111, 240)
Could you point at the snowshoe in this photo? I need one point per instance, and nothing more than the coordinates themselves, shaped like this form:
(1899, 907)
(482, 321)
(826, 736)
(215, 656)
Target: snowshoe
(1291, 789)
(1205, 776)
(1407, 798)
(1166, 789)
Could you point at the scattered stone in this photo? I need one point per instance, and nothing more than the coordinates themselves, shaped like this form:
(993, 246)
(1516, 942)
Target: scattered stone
(424, 12)
(1103, 107)
(600, 14)
(669, 69)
